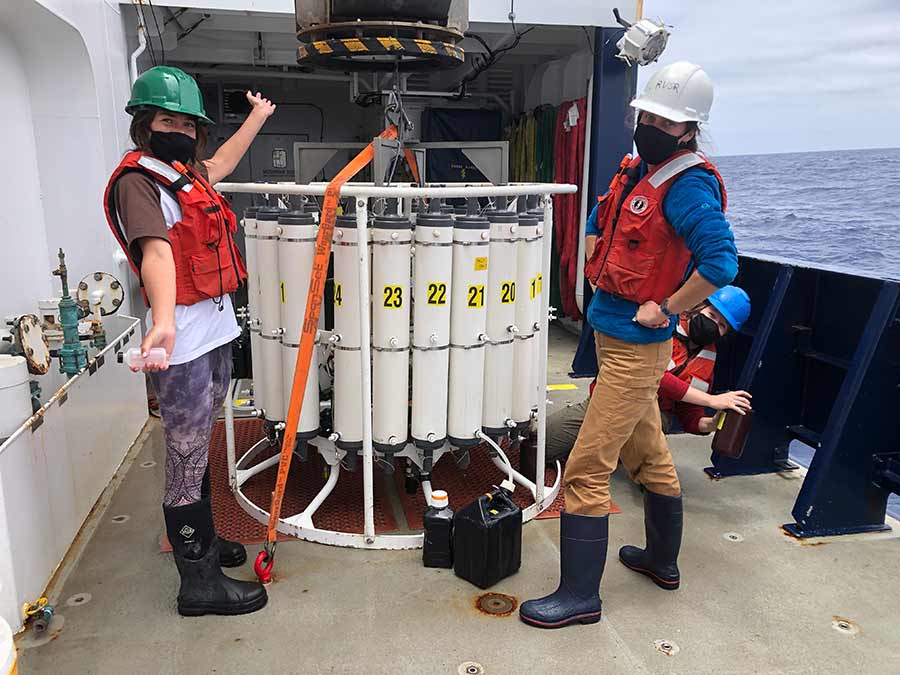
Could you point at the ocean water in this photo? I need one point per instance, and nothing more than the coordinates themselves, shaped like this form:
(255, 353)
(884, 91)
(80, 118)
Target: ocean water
(837, 209)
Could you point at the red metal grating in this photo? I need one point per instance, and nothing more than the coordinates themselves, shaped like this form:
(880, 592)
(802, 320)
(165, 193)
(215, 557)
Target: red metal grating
(341, 512)
(463, 487)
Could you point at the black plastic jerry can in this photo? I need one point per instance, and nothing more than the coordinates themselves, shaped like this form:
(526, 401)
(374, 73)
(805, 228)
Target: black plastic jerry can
(487, 539)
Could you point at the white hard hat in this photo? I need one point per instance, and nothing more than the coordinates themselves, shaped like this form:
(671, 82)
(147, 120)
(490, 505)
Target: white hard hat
(681, 92)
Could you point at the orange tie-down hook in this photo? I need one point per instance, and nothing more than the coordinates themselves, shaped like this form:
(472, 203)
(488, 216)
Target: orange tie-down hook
(266, 558)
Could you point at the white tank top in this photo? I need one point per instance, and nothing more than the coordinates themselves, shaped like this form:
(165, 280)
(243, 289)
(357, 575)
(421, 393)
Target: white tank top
(201, 327)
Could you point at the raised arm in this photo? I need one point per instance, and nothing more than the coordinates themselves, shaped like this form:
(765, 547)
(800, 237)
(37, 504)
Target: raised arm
(230, 153)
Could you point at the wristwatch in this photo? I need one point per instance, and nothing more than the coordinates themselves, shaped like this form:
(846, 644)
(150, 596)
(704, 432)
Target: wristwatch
(664, 308)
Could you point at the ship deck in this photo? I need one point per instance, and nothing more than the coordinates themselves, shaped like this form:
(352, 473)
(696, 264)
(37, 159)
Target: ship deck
(752, 599)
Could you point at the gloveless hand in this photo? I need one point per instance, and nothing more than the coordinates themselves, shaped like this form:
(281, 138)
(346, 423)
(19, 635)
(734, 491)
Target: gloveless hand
(650, 315)
(159, 335)
(260, 106)
(738, 401)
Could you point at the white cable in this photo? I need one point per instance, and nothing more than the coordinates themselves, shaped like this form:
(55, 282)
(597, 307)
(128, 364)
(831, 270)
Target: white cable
(510, 479)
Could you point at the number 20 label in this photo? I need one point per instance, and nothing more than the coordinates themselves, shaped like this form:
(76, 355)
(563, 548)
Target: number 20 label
(508, 292)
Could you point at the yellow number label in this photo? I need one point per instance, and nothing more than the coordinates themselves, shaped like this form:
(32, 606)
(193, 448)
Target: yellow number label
(283, 299)
(338, 294)
(508, 292)
(437, 293)
(536, 284)
(393, 297)
(481, 264)
(476, 296)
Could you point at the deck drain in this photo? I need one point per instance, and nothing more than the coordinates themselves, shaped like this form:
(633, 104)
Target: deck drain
(148, 464)
(78, 599)
(667, 647)
(470, 668)
(120, 519)
(843, 625)
(733, 536)
(496, 604)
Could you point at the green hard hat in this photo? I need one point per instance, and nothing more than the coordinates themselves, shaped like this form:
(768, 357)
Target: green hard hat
(170, 89)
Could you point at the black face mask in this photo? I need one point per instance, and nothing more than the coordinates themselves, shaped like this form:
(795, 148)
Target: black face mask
(702, 330)
(171, 146)
(654, 145)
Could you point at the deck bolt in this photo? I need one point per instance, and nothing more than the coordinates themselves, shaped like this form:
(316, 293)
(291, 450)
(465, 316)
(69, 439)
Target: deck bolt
(667, 647)
(78, 599)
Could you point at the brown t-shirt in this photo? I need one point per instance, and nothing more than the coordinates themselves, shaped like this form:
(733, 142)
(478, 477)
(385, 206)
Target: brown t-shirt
(140, 211)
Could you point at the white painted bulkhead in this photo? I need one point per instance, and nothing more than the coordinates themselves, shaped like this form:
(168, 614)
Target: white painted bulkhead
(64, 76)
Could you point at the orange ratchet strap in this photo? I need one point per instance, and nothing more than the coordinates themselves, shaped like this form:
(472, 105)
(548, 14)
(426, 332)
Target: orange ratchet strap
(266, 558)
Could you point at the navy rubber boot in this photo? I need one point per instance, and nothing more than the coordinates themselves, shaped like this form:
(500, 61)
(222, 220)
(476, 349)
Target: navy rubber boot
(663, 523)
(582, 556)
(231, 553)
(195, 548)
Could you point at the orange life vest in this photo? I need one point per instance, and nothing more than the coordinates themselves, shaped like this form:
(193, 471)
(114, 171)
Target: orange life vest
(697, 369)
(207, 262)
(639, 256)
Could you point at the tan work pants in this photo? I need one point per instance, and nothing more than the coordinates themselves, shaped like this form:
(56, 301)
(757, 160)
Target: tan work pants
(622, 422)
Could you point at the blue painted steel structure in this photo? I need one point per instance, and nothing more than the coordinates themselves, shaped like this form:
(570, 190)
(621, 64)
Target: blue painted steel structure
(615, 85)
(821, 356)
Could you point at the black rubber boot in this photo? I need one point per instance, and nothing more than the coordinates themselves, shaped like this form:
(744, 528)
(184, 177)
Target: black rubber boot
(204, 589)
(663, 522)
(582, 555)
(528, 458)
(231, 553)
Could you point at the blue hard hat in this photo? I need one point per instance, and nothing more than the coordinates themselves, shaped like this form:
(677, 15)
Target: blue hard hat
(733, 303)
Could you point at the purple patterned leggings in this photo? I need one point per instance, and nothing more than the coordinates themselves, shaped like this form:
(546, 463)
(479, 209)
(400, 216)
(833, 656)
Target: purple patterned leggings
(190, 396)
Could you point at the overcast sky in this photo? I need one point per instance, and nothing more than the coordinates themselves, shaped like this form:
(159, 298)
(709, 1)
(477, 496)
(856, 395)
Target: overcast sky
(791, 75)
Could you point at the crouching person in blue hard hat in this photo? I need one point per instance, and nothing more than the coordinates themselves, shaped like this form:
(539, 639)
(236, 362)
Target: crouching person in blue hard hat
(684, 391)
(663, 247)
(177, 232)
(685, 386)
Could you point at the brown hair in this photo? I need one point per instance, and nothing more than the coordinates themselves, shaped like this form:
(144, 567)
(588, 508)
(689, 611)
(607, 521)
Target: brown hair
(140, 131)
(692, 144)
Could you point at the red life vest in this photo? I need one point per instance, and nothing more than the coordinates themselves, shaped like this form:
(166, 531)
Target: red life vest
(207, 262)
(697, 370)
(639, 256)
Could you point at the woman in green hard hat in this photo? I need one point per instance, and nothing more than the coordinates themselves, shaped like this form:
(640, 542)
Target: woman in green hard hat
(177, 232)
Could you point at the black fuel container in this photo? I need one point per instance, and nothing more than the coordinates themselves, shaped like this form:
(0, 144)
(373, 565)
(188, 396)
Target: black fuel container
(487, 539)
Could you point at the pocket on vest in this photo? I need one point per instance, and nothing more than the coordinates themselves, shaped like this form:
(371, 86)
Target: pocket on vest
(213, 278)
(631, 249)
(623, 281)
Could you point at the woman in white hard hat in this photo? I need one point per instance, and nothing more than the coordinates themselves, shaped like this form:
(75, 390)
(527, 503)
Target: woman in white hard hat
(177, 232)
(661, 245)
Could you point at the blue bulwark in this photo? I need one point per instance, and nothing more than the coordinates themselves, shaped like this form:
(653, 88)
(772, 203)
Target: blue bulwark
(821, 356)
